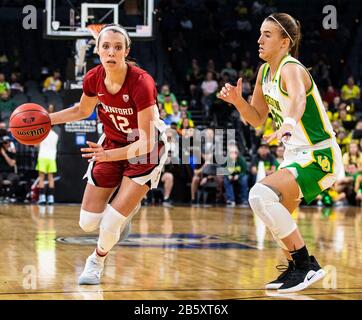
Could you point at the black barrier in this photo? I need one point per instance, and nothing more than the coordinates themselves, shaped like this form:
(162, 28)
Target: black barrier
(71, 165)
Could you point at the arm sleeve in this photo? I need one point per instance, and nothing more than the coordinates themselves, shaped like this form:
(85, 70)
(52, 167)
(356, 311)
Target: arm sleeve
(89, 84)
(144, 92)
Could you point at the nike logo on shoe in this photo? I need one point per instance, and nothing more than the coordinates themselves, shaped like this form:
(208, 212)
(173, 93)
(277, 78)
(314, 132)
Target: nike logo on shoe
(310, 277)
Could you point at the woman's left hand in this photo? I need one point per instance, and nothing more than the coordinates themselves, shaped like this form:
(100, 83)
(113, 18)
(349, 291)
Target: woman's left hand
(282, 135)
(95, 152)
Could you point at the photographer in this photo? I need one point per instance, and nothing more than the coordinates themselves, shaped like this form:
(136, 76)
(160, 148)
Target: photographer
(8, 165)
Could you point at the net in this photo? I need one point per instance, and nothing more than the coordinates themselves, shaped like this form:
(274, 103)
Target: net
(95, 28)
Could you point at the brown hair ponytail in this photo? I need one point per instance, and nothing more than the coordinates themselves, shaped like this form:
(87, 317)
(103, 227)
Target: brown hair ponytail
(289, 28)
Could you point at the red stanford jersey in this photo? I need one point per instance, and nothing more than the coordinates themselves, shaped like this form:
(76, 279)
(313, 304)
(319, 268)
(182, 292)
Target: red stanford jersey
(118, 112)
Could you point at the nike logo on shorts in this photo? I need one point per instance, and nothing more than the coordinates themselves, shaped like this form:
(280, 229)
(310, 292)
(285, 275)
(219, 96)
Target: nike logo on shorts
(101, 94)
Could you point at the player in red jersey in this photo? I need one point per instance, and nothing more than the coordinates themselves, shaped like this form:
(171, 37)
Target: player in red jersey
(131, 152)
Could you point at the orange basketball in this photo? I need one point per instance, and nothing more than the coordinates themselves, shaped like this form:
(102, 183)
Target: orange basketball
(30, 123)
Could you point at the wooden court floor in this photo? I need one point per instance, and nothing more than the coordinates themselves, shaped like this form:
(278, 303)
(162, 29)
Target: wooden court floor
(177, 253)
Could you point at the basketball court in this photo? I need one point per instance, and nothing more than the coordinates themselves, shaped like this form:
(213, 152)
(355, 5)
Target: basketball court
(176, 253)
(179, 253)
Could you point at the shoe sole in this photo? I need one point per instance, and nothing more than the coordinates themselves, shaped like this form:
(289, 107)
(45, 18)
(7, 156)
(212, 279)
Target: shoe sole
(273, 286)
(88, 282)
(306, 283)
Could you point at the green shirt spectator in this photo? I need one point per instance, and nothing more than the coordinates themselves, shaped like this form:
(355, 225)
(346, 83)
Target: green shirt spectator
(7, 106)
(165, 91)
(4, 85)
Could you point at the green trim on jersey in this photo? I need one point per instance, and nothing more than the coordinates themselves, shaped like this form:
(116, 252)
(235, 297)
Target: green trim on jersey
(264, 72)
(313, 122)
(280, 78)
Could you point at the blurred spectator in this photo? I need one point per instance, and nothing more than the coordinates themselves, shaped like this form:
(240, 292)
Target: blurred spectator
(358, 190)
(47, 165)
(331, 197)
(320, 73)
(350, 91)
(209, 87)
(237, 177)
(165, 117)
(348, 183)
(210, 67)
(246, 71)
(329, 113)
(194, 78)
(279, 155)
(330, 94)
(267, 129)
(357, 131)
(15, 85)
(4, 85)
(167, 104)
(7, 106)
(167, 179)
(186, 23)
(176, 116)
(336, 103)
(204, 174)
(353, 154)
(183, 125)
(343, 139)
(184, 109)
(8, 167)
(266, 157)
(228, 69)
(53, 83)
(165, 92)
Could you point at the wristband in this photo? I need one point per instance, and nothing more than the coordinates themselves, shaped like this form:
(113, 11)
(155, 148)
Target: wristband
(290, 121)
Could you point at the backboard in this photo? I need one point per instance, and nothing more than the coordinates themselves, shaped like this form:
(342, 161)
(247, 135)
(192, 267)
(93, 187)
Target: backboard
(68, 19)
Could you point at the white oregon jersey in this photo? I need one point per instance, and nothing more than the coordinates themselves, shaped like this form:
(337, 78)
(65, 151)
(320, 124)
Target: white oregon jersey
(314, 127)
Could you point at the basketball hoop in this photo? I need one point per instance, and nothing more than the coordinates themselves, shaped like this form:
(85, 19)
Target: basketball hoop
(95, 28)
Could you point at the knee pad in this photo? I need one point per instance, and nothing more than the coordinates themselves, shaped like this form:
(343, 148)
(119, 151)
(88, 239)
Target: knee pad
(265, 203)
(110, 228)
(89, 221)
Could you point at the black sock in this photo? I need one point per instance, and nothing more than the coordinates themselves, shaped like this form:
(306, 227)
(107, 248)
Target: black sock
(50, 191)
(300, 257)
(41, 191)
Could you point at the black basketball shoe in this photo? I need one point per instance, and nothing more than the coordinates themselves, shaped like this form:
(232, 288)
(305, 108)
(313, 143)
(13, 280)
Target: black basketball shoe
(278, 282)
(302, 276)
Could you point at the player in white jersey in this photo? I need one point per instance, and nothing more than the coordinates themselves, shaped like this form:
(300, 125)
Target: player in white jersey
(312, 159)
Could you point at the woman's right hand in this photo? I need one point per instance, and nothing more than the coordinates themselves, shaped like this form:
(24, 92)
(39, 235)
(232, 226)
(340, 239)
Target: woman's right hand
(231, 94)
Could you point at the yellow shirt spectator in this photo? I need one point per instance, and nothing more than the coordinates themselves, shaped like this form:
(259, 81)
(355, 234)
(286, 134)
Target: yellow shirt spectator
(350, 90)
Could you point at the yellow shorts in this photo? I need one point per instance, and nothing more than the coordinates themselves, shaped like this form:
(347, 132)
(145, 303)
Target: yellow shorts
(46, 166)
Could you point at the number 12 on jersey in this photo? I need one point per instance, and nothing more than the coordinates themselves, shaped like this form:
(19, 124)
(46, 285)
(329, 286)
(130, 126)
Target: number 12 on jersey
(121, 123)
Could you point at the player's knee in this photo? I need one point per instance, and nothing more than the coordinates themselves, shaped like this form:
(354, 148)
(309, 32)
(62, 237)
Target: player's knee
(265, 203)
(260, 195)
(89, 221)
(110, 229)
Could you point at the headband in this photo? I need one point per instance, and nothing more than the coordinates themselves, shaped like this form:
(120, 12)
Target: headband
(115, 28)
(282, 28)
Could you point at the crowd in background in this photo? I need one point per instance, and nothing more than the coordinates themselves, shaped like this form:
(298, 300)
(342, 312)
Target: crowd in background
(200, 64)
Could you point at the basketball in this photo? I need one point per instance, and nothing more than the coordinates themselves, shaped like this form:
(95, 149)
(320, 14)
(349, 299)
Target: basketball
(30, 123)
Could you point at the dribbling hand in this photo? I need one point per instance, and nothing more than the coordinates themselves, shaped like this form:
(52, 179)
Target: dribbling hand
(231, 94)
(95, 152)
